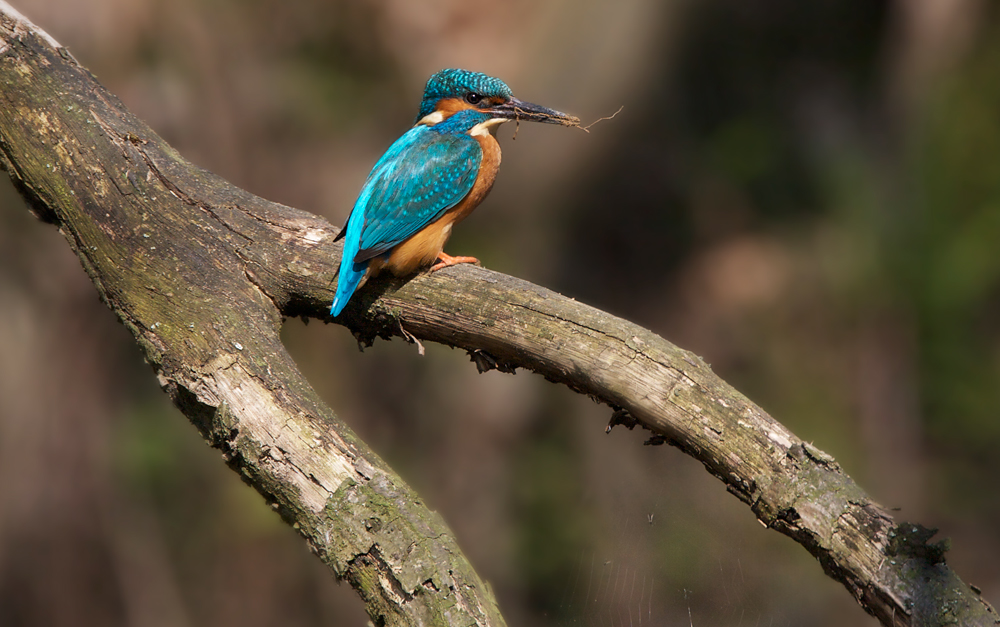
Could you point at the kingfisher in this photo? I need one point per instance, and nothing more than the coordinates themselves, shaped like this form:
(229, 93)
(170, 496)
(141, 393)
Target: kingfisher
(431, 178)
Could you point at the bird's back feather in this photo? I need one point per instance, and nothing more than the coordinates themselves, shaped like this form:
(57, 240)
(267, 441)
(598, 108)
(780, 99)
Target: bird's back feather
(424, 173)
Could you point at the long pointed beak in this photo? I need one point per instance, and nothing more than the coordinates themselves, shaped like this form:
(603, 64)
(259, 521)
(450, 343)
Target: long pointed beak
(515, 109)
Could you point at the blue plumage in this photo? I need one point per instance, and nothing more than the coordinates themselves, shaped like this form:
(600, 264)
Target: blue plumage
(428, 171)
(423, 174)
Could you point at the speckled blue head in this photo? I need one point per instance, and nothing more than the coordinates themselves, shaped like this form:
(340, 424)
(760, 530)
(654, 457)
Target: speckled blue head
(455, 83)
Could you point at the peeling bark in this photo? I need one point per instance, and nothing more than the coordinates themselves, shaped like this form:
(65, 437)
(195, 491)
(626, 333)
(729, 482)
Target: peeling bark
(202, 273)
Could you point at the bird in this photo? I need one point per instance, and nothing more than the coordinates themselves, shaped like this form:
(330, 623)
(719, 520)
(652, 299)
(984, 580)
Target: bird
(431, 178)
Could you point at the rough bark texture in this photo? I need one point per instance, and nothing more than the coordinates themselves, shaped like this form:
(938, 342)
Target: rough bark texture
(202, 274)
(176, 253)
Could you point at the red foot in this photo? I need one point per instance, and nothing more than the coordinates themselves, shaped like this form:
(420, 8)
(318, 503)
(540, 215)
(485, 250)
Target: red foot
(445, 260)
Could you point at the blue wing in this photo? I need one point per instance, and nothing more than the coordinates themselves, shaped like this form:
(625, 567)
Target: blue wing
(419, 178)
(422, 175)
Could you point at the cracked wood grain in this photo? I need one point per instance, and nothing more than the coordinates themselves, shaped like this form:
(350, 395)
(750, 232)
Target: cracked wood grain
(202, 273)
(185, 274)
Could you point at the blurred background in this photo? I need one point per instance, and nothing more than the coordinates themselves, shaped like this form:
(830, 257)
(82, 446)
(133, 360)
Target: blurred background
(807, 194)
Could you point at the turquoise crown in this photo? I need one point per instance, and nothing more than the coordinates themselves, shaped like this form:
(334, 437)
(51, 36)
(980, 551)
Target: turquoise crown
(454, 83)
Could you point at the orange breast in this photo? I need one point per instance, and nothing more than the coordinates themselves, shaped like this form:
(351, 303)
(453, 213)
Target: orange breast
(422, 249)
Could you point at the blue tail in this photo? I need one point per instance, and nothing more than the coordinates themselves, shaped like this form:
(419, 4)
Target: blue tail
(351, 272)
(350, 275)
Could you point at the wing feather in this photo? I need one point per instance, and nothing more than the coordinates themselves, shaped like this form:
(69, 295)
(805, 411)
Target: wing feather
(420, 177)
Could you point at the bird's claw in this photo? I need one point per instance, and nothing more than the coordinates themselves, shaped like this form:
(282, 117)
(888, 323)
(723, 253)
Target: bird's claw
(445, 261)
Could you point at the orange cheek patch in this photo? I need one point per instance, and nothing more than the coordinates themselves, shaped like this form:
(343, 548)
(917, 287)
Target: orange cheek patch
(451, 106)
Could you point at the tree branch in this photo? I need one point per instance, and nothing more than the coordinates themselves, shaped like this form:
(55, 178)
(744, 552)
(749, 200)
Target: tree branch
(203, 273)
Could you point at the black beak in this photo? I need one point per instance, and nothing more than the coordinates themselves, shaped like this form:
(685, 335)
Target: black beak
(515, 109)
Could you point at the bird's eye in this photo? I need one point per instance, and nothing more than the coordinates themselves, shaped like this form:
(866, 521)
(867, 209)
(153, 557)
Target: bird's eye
(473, 98)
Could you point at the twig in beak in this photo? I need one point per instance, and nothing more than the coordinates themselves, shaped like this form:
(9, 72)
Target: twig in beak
(517, 121)
(586, 129)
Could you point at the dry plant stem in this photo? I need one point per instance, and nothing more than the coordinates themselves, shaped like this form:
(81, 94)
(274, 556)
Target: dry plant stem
(607, 117)
(202, 273)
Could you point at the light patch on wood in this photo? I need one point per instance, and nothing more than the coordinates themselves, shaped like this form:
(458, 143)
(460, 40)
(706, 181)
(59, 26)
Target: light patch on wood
(24, 24)
(820, 515)
(314, 236)
(779, 438)
(292, 444)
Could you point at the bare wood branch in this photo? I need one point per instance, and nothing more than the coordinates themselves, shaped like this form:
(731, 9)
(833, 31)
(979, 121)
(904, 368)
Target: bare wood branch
(171, 261)
(202, 273)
